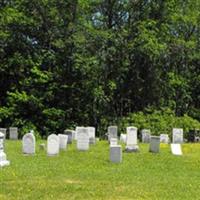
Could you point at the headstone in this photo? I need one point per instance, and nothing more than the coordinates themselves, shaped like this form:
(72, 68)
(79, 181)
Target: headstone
(116, 153)
(154, 144)
(28, 143)
(146, 135)
(63, 141)
(177, 135)
(82, 139)
(176, 149)
(3, 158)
(113, 141)
(13, 133)
(112, 132)
(52, 145)
(123, 138)
(70, 135)
(4, 131)
(78, 128)
(164, 138)
(91, 131)
(131, 139)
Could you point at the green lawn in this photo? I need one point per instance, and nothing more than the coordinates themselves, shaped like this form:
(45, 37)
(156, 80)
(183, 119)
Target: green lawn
(90, 175)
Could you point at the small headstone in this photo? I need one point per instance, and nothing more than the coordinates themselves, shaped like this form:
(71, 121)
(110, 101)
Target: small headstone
(4, 131)
(3, 158)
(112, 132)
(123, 138)
(113, 141)
(13, 133)
(176, 149)
(177, 135)
(70, 135)
(116, 153)
(146, 135)
(82, 139)
(42, 147)
(63, 141)
(28, 143)
(91, 131)
(131, 139)
(52, 145)
(154, 144)
(164, 138)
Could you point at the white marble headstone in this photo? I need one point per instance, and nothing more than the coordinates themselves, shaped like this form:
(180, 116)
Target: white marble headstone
(131, 139)
(82, 139)
(3, 158)
(4, 131)
(164, 138)
(53, 145)
(28, 143)
(176, 149)
(177, 135)
(63, 141)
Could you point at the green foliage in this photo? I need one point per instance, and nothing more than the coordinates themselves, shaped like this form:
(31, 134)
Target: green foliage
(162, 121)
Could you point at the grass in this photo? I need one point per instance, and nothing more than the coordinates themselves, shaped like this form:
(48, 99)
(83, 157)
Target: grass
(90, 175)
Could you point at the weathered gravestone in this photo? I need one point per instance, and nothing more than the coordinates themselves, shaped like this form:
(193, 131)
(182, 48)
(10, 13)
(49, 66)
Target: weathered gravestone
(154, 144)
(91, 131)
(112, 132)
(70, 135)
(177, 135)
(113, 141)
(52, 145)
(3, 158)
(4, 131)
(116, 153)
(63, 141)
(146, 135)
(176, 149)
(164, 138)
(131, 139)
(28, 143)
(82, 139)
(13, 133)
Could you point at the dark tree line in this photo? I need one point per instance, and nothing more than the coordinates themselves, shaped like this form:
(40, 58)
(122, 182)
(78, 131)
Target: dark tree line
(91, 62)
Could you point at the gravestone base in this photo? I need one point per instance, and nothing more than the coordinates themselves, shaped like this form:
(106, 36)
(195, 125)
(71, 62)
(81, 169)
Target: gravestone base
(3, 161)
(130, 149)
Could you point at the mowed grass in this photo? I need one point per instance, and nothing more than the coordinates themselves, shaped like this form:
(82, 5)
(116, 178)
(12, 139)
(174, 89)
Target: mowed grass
(90, 175)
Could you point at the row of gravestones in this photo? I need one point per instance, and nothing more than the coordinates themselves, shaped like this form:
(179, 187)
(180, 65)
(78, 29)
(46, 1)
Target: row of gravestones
(13, 132)
(130, 139)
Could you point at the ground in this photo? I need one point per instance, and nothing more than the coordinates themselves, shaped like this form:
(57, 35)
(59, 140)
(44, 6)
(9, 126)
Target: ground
(90, 175)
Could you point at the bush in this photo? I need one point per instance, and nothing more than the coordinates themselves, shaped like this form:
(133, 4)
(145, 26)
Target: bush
(159, 121)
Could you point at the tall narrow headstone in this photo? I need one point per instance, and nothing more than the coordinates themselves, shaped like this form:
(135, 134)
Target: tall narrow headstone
(146, 135)
(4, 131)
(52, 145)
(164, 138)
(13, 133)
(3, 158)
(131, 139)
(91, 131)
(177, 135)
(69, 133)
(154, 144)
(82, 139)
(28, 143)
(116, 153)
(112, 132)
(63, 141)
